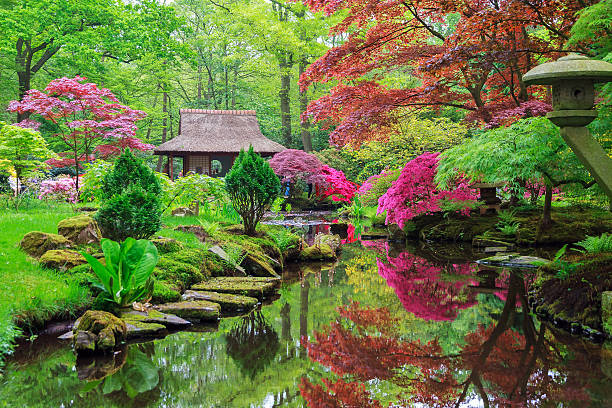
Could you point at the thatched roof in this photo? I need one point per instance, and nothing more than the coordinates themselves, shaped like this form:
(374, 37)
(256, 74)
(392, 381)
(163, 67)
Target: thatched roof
(218, 131)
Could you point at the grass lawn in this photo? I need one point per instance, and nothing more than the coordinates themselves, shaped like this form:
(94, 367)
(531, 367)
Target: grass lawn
(30, 294)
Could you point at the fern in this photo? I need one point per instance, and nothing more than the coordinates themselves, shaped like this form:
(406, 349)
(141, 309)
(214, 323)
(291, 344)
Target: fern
(595, 245)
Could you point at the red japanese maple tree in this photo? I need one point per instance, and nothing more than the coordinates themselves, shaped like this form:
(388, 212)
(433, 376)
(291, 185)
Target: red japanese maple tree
(469, 55)
(85, 118)
(292, 165)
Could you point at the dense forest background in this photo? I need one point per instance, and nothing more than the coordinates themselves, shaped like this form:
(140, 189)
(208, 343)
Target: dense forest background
(159, 58)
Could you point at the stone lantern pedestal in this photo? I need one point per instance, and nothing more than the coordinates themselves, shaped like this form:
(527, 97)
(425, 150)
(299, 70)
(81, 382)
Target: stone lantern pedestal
(573, 97)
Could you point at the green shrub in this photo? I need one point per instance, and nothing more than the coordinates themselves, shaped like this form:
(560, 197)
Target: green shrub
(131, 204)
(377, 186)
(252, 187)
(126, 276)
(594, 245)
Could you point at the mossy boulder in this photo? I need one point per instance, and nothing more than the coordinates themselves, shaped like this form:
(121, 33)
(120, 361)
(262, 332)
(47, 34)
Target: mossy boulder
(138, 330)
(331, 240)
(36, 243)
(259, 265)
(179, 274)
(164, 292)
(322, 252)
(229, 302)
(193, 310)
(167, 245)
(98, 332)
(62, 259)
(81, 229)
(252, 286)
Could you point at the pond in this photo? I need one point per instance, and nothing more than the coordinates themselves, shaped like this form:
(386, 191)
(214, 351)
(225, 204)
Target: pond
(407, 327)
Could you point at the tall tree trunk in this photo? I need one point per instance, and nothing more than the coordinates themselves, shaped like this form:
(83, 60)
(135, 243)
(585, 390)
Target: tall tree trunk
(304, 122)
(285, 99)
(160, 159)
(546, 220)
(199, 85)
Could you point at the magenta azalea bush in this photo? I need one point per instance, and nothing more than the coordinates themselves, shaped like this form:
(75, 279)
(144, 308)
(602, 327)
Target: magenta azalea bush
(293, 165)
(337, 186)
(63, 189)
(415, 192)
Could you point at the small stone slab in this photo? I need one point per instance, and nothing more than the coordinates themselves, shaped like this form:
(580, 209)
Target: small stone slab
(200, 310)
(513, 261)
(227, 301)
(139, 330)
(494, 250)
(251, 286)
(67, 336)
(169, 321)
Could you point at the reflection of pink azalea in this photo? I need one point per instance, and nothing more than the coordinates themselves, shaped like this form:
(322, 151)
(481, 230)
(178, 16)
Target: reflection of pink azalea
(423, 290)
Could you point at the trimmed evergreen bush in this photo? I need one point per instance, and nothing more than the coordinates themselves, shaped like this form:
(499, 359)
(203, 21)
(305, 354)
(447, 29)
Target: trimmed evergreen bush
(131, 206)
(252, 187)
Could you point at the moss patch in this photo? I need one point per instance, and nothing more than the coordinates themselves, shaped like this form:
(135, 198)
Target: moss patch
(177, 273)
(166, 245)
(164, 292)
(36, 243)
(61, 259)
(578, 297)
(81, 229)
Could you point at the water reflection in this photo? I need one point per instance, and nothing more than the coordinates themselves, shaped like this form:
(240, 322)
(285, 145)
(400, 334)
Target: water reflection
(428, 329)
(252, 343)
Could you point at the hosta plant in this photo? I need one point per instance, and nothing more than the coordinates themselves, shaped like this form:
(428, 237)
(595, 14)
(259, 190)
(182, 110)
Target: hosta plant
(126, 277)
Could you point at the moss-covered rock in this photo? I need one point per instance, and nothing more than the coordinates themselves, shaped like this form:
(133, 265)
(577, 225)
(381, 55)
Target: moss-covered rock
(164, 292)
(209, 264)
(81, 229)
(98, 332)
(61, 259)
(36, 243)
(137, 330)
(229, 302)
(179, 274)
(333, 241)
(258, 287)
(169, 321)
(167, 245)
(193, 310)
(322, 252)
(259, 265)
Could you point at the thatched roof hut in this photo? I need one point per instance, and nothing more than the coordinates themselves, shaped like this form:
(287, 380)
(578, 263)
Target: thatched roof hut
(209, 140)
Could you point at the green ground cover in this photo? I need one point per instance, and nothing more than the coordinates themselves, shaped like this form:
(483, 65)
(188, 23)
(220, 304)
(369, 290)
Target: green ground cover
(30, 294)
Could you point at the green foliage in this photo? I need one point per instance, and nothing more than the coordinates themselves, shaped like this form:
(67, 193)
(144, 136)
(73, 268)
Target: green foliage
(507, 223)
(177, 273)
(92, 179)
(131, 204)
(595, 245)
(592, 29)
(185, 191)
(126, 277)
(379, 186)
(252, 187)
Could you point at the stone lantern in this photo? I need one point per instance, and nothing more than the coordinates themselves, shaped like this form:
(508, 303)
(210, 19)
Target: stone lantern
(573, 97)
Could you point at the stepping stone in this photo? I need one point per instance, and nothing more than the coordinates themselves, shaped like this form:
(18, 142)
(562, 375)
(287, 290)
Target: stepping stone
(251, 286)
(514, 261)
(169, 321)
(199, 310)
(492, 250)
(227, 301)
(138, 330)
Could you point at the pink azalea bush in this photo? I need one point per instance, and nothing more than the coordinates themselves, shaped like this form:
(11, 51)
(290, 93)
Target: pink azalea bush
(535, 189)
(293, 165)
(59, 189)
(415, 192)
(337, 186)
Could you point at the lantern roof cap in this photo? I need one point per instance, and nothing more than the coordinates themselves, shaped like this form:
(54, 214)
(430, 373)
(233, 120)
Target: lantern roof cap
(570, 67)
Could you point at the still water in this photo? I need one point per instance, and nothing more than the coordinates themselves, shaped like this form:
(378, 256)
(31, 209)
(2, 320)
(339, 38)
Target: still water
(382, 327)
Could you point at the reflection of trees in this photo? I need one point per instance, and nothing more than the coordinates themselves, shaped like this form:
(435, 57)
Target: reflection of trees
(500, 365)
(133, 376)
(428, 290)
(252, 343)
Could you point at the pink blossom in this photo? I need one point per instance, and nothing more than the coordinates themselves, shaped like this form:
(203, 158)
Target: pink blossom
(59, 189)
(415, 192)
(337, 185)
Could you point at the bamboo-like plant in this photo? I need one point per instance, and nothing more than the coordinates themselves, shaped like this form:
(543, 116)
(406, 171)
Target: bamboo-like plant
(126, 277)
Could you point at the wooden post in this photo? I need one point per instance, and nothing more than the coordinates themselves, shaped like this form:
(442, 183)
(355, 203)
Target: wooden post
(209, 165)
(171, 167)
(185, 165)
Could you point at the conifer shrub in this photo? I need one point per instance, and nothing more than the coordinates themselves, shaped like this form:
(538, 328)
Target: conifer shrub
(252, 187)
(131, 205)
